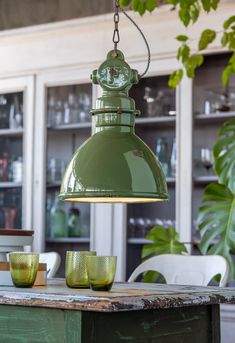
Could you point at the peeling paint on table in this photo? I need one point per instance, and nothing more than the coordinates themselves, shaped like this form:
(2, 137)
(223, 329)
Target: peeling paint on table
(131, 312)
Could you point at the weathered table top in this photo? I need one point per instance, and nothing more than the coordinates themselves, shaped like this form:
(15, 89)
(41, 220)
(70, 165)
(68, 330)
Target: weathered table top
(122, 297)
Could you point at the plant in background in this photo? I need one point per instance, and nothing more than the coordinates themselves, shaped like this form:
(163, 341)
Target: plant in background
(216, 217)
(164, 241)
(189, 12)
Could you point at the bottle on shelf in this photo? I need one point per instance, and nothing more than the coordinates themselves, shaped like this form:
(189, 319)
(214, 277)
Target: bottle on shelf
(4, 163)
(162, 154)
(4, 117)
(17, 170)
(48, 216)
(58, 222)
(58, 113)
(74, 222)
(173, 159)
(18, 116)
(9, 217)
(1, 210)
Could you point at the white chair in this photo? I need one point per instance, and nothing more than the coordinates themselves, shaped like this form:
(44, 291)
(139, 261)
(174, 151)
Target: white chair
(52, 259)
(186, 269)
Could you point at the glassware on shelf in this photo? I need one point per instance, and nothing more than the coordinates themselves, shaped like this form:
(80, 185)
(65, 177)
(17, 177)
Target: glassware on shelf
(4, 117)
(162, 154)
(67, 114)
(48, 213)
(73, 108)
(84, 101)
(74, 222)
(207, 159)
(173, 159)
(9, 217)
(55, 170)
(4, 164)
(18, 115)
(153, 102)
(2, 219)
(159, 102)
(219, 100)
(51, 110)
(58, 113)
(58, 222)
(51, 175)
(17, 170)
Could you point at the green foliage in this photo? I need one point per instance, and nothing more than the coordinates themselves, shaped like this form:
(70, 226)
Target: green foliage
(182, 38)
(216, 221)
(175, 78)
(188, 12)
(164, 241)
(228, 22)
(224, 155)
(125, 3)
(189, 61)
(216, 217)
(207, 37)
(140, 6)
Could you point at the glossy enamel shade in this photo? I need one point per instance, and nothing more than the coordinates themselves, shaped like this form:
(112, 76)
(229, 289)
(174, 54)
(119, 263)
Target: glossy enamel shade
(114, 165)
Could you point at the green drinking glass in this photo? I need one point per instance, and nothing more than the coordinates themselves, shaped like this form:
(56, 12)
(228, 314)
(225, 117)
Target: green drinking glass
(76, 268)
(23, 268)
(101, 272)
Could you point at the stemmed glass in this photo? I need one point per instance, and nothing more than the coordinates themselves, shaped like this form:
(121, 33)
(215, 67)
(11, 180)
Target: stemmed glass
(207, 159)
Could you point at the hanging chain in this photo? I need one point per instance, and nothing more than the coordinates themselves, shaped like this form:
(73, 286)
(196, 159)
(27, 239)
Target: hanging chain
(116, 37)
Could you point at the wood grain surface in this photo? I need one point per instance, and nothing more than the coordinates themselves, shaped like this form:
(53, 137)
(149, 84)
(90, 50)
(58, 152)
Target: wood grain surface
(15, 232)
(123, 297)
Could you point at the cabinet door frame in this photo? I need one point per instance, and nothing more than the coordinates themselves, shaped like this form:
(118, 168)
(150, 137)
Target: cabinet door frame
(26, 85)
(61, 77)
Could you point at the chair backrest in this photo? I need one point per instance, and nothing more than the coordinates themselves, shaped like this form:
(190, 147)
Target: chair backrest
(52, 259)
(186, 269)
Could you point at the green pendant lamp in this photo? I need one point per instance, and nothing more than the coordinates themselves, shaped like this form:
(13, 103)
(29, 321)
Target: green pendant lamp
(114, 165)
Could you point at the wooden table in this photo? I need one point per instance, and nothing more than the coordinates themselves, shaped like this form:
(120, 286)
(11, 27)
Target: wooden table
(131, 312)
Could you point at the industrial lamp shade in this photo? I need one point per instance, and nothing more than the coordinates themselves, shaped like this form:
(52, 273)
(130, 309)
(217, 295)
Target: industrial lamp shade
(114, 165)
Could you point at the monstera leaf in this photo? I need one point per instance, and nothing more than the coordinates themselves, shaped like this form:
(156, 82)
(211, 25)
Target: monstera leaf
(217, 223)
(164, 241)
(224, 155)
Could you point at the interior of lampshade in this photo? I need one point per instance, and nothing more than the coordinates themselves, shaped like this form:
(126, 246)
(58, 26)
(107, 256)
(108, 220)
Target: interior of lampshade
(114, 200)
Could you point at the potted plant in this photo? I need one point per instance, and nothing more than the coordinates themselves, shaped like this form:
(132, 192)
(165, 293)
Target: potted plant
(216, 217)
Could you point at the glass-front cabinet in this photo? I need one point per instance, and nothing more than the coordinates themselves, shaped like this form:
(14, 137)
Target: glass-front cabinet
(67, 124)
(213, 104)
(156, 126)
(16, 130)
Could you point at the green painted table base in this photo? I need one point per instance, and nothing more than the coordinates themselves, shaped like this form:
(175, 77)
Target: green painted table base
(192, 324)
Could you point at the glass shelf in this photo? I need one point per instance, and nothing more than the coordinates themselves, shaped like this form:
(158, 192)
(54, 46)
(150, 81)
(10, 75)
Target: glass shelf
(138, 241)
(11, 132)
(201, 180)
(69, 240)
(214, 118)
(10, 184)
(71, 127)
(56, 184)
(170, 180)
(165, 120)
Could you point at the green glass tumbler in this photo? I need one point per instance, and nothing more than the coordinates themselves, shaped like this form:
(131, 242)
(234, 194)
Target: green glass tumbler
(101, 272)
(23, 268)
(76, 268)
